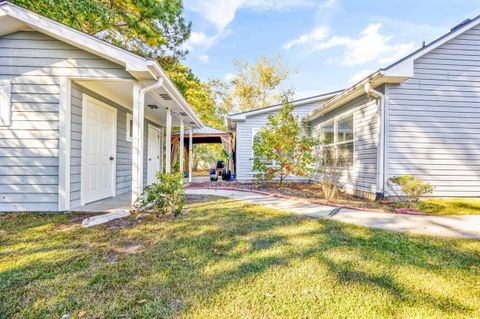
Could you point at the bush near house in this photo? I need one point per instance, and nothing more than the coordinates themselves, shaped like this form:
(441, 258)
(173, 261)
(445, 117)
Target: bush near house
(166, 196)
(411, 189)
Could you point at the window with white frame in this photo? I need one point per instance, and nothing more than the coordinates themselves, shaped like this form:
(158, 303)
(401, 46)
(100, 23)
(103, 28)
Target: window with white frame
(5, 103)
(129, 126)
(338, 141)
(255, 138)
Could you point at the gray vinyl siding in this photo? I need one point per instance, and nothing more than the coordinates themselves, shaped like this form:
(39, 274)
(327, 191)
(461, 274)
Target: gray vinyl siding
(34, 63)
(362, 176)
(244, 146)
(434, 119)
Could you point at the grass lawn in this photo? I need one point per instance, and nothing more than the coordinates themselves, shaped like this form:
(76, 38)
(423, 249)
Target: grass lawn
(450, 206)
(227, 259)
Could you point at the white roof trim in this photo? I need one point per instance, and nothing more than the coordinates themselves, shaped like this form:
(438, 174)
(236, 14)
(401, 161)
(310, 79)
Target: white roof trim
(131, 61)
(394, 73)
(242, 116)
(405, 66)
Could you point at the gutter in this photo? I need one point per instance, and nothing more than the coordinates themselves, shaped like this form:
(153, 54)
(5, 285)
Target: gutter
(152, 86)
(332, 103)
(381, 139)
(177, 96)
(318, 98)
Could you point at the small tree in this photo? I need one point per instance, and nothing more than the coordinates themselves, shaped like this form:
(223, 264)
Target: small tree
(329, 175)
(281, 148)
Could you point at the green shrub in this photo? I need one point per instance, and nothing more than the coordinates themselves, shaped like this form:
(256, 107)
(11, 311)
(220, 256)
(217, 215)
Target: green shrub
(166, 196)
(412, 188)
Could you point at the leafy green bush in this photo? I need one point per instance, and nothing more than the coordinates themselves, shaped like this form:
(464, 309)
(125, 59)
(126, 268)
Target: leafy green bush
(411, 189)
(166, 196)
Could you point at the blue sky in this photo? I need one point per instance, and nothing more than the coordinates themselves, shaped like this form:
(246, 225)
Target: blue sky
(330, 43)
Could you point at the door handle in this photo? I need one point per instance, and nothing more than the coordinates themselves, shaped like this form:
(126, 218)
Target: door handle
(112, 158)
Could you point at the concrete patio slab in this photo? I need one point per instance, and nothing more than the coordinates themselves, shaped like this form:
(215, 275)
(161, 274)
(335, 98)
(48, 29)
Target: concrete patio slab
(111, 204)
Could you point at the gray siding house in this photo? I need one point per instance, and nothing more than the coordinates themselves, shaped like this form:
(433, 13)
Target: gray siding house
(80, 119)
(247, 124)
(419, 116)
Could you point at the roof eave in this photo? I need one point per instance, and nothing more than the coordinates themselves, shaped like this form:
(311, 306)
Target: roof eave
(375, 79)
(240, 117)
(157, 70)
(134, 64)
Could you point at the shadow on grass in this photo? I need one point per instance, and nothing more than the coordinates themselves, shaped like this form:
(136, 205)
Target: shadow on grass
(218, 244)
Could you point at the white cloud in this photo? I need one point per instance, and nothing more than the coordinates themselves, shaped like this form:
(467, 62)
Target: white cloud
(317, 34)
(204, 58)
(370, 46)
(199, 39)
(222, 12)
(359, 76)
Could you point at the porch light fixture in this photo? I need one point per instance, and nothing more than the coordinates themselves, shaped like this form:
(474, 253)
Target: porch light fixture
(153, 106)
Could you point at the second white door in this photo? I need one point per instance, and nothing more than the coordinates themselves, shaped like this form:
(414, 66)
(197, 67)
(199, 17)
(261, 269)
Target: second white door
(153, 153)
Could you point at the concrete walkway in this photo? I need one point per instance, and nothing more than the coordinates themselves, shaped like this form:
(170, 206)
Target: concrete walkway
(448, 226)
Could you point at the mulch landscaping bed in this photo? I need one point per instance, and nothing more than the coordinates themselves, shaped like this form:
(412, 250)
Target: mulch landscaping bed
(310, 191)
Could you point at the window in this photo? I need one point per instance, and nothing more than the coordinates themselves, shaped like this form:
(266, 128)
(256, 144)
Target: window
(338, 141)
(5, 105)
(129, 126)
(255, 138)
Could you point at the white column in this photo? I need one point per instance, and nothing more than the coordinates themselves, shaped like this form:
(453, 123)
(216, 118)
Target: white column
(190, 155)
(137, 141)
(168, 141)
(64, 144)
(182, 140)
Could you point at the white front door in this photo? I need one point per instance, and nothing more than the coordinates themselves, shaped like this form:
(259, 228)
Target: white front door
(153, 154)
(99, 122)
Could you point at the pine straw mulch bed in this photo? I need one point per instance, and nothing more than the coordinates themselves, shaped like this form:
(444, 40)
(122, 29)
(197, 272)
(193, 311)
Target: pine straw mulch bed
(302, 190)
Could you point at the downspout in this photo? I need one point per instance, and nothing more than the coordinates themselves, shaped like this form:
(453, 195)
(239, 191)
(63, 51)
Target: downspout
(137, 143)
(381, 140)
(152, 86)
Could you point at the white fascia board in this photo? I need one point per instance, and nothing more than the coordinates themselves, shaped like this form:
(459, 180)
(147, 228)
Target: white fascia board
(131, 61)
(239, 117)
(395, 73)
(405, 67)
(345, 96)
(172, 89)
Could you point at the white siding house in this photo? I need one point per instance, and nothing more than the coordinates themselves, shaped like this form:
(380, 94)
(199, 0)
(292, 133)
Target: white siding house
(247, 124)
(420, 116)
(75, 126)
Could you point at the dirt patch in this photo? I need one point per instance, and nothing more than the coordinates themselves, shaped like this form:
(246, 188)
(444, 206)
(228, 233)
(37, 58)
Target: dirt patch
(74, 223)
(131, 221)
(119, 253)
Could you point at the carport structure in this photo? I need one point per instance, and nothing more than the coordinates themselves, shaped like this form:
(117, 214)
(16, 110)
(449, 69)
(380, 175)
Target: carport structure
(203, 135)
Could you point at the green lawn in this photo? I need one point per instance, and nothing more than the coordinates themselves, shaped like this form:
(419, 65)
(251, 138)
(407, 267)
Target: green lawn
(226, 259)
(450, 206)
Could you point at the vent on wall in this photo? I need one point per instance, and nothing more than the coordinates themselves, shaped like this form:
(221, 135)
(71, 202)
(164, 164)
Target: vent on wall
(183, 114)
(165, 96)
